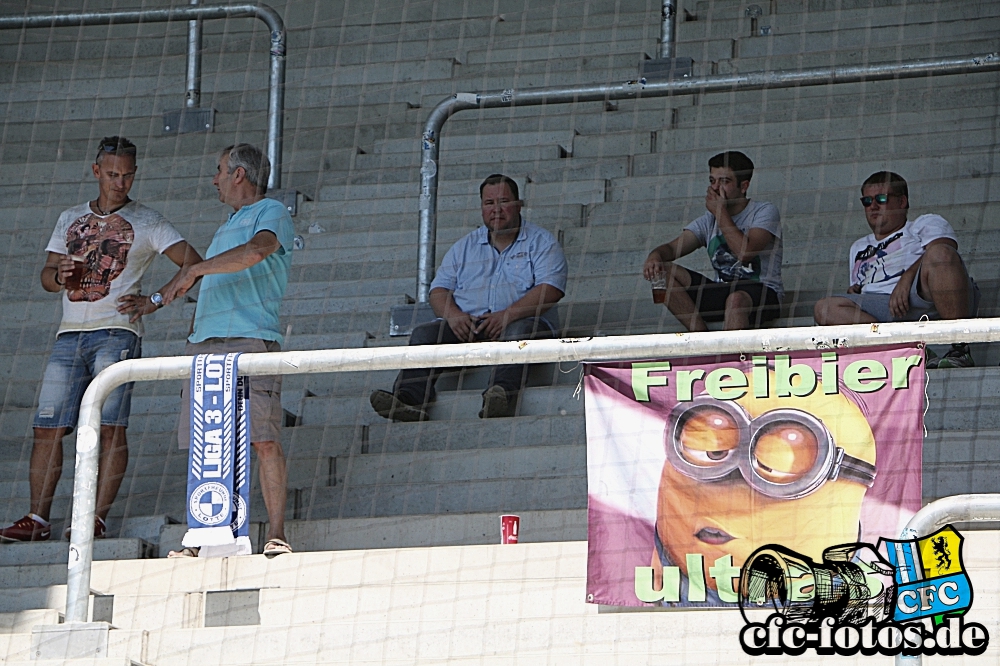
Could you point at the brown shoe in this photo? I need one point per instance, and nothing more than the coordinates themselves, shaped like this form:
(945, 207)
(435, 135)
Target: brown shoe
(387, 405)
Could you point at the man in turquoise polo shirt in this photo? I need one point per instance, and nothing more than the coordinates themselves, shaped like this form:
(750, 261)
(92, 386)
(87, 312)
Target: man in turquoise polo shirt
(245, 275)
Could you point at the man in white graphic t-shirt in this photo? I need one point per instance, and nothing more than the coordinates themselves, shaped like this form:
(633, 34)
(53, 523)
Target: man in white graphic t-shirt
(904, 269)
(97, 256)
(743, 239)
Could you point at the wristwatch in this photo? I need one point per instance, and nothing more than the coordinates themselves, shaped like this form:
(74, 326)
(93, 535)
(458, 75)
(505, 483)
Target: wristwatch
(156, 299)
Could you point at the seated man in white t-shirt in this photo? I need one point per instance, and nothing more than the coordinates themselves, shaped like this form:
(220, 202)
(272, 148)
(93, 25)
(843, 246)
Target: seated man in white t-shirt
(903, 270)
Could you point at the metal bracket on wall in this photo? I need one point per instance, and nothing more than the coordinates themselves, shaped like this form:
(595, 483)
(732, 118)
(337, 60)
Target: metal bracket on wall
(189, 121)
(666, 69)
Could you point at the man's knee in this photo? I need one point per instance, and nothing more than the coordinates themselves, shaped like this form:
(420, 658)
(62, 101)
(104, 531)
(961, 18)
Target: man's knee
(822, 311)
(738, 300)
(268, 449)
(940, 258)
(429, 333)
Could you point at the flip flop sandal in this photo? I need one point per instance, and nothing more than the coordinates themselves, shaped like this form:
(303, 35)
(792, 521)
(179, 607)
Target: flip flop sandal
(276, 547)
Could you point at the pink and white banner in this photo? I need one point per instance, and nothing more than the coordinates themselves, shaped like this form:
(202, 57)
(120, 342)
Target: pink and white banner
(694, 463)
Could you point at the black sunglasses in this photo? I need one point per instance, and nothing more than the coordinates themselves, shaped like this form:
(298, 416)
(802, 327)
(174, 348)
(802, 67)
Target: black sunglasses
(878, 198)
(117, 148)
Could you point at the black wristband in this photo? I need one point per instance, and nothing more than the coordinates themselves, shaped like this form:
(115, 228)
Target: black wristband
(56, 277)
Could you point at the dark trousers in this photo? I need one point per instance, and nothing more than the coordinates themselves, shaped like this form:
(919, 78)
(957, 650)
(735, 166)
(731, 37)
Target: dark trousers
(416, 387)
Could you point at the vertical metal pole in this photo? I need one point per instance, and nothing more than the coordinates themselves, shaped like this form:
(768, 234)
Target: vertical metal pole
(192, 98)
(276, 100)
(668, 28)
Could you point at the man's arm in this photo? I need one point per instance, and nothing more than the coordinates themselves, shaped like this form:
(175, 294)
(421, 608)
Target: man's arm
(241, 257)
(462, 324)
(899, 300)
(744, 246)
(679, 247)
(137, 305)
(536, 302)
(57, 269)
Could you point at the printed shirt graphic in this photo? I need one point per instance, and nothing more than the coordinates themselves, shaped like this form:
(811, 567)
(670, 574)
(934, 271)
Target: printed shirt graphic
(116, 249)
(876, 265)
(246, 304)
(765, 267)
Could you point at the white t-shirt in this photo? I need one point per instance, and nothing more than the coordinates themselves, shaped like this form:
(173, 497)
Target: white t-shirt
(118, 248)
(876, 265)
(765, 267)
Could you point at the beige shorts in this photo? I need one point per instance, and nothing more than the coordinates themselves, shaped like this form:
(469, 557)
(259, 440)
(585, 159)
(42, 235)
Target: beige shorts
(266, 415)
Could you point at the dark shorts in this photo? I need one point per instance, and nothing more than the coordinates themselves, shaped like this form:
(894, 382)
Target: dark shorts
(710, 298)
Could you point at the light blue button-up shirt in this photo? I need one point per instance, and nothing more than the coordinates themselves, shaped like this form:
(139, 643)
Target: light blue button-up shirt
(483, 280)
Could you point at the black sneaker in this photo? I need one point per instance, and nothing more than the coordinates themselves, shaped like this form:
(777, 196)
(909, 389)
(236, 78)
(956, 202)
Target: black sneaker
(387, 405)
(496, 403)
(958, 356)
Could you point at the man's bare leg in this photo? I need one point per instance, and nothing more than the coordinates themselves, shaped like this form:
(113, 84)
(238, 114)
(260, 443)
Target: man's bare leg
(273, 485)
(678, 301)
(45, 469)
(111, 468)
(835, 311)
(739, 305)
(944, 282)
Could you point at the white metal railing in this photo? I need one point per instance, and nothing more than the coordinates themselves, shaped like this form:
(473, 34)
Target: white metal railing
(616, 348)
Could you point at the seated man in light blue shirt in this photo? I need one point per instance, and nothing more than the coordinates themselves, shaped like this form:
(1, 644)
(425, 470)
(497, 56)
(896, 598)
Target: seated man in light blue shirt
(499, 282)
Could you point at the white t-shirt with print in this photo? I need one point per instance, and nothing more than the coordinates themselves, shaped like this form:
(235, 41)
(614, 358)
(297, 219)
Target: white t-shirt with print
(877, 265)
(117, 249)
(765, 267)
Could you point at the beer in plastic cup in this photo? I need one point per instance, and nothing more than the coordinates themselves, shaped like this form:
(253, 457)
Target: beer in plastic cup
(510, 526)
(659, 284)
(75, 280)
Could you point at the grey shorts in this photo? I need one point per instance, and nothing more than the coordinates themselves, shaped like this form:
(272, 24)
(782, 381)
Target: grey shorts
(266, 415)
(877, 305)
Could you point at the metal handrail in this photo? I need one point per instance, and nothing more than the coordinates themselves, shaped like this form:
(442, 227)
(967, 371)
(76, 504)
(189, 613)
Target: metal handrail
(472, 354)
(276, 92)
(641, 89)
(937, 514)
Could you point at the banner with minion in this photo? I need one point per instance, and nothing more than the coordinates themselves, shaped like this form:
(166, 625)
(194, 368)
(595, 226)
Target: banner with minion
(695, 463)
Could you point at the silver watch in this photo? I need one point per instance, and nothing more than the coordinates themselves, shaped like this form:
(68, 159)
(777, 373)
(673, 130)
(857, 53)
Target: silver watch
(156, 299)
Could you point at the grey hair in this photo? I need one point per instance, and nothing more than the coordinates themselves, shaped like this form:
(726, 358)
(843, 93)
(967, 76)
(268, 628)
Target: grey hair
(254, 163)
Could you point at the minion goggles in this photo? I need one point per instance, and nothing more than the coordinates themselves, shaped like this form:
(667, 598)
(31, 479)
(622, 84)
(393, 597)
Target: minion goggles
(792, 425)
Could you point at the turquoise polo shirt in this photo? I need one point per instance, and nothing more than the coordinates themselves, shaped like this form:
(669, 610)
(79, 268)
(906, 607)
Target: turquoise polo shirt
(245, 304)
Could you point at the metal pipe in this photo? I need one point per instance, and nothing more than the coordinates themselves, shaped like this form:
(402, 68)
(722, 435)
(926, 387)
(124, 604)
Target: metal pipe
(614, 348)
(192, 98)
(276, 94)
(668, 28)
(937, 514)
(641, 89)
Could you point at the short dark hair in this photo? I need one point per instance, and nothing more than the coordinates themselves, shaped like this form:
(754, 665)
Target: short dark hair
(254, 163)
(498, 178)
(115, 145)
(741, 165)
(896, 183)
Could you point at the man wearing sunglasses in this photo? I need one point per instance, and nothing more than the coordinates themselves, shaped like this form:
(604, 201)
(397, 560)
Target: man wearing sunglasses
(97, 256)
(904, 269)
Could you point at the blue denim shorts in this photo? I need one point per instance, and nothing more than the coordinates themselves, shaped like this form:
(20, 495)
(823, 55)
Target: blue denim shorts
(76, 359)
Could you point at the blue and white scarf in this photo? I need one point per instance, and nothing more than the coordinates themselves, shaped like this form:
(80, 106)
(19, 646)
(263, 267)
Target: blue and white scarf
(218, 487)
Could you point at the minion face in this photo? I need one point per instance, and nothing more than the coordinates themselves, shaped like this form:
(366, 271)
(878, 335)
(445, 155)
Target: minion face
(741, 474)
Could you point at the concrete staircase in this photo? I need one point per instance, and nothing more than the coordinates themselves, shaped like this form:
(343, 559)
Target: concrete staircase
(612, 181)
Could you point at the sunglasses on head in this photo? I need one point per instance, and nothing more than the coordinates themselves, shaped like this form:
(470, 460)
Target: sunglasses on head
(878, 198)
(117, 148)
